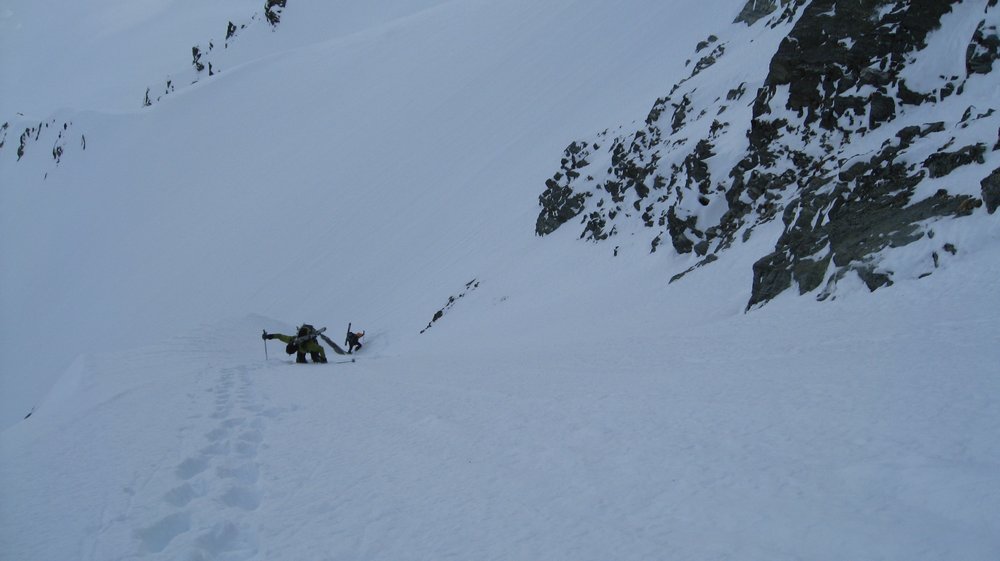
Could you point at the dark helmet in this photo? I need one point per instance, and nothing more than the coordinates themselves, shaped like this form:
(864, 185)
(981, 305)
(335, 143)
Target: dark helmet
(306, 329)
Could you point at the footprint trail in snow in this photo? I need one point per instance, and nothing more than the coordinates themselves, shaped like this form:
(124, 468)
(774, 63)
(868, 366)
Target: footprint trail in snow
(217, 489)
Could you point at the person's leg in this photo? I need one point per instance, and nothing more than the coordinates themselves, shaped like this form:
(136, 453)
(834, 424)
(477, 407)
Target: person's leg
(300, 357)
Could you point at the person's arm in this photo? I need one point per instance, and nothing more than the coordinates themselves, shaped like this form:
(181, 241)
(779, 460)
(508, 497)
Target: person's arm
(280, 337)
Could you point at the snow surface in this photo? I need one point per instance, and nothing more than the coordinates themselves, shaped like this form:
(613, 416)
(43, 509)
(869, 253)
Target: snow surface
(571, 405)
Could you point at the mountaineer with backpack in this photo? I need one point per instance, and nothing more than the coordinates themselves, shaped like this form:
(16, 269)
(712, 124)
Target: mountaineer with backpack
(302, 343)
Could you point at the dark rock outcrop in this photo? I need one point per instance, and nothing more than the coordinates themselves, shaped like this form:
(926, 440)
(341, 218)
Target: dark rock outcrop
(452, 300)
(272, 11)
(58, 139)
(943, 163)
(983, 50)
(559, 202)
(991, 191)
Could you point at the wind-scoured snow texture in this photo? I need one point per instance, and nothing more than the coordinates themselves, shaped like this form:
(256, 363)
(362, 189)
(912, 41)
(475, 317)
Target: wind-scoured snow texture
(870, 127)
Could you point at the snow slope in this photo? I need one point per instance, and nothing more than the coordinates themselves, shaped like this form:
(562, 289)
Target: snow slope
(307, 184)
(568, 405)
(773, 435)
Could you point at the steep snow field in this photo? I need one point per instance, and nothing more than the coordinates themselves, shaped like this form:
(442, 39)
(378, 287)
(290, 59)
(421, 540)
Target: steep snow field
(863, 428)
(365, 164)
(366, 177)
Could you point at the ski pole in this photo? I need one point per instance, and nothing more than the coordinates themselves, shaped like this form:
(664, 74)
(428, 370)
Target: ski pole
(265, 346)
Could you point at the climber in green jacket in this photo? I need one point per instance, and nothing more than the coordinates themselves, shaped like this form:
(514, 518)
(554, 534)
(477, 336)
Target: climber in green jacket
(300, 344)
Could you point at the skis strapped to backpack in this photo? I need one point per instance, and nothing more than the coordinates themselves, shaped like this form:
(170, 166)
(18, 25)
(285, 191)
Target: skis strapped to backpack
(296, 342)
(308, 337)
(336, 347)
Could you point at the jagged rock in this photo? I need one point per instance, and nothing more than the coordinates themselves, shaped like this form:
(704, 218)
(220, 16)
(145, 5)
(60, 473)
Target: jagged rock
(883, 109)
(708, 259)
(737, 92)
(943, 163)
(909, 97)
(196, 59)
(452, 300)
(810, 273)
(754, 10)
(680, 112)
(874, 77)
(991, 191)
(983, 50)
(862, 219)
(704, 44)
(272, 11)
(559, 205)
(696, 168)
(708, 60)
(594, 228)
(771, 277)
(833, 40)
(677, 227)
(24, 141)
(907, 135)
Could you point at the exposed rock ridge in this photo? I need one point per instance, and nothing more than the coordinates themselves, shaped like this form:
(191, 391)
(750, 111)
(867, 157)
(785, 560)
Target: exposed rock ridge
(205, 61)
(59, 137)
(56, 138)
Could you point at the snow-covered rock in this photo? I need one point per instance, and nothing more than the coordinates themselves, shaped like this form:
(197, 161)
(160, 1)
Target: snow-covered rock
(870, 123)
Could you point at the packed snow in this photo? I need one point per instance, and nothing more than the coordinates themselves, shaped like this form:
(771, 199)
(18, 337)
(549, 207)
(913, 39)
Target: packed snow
(375, 163)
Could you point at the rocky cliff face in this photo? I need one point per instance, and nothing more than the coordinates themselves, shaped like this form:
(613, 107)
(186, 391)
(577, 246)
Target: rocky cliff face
(871, 123)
